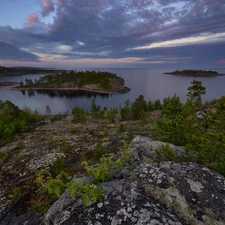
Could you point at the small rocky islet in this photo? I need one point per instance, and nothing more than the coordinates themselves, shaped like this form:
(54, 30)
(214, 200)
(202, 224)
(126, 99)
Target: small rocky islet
(195, 73)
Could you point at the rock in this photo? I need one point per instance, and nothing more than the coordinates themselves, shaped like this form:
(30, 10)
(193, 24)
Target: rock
(155, 193)
(124, 203)
(193, 192)
(144, 147)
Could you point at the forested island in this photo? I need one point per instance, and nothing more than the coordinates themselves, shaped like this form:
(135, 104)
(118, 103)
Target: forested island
(87, 81)
(195, 73)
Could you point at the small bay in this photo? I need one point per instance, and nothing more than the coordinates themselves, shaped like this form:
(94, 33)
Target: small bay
(153, 84)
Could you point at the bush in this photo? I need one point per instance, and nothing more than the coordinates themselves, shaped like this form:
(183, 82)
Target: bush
(79, 115)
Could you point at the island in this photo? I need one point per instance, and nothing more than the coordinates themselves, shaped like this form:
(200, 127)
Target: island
(195, 73)
(82, 81)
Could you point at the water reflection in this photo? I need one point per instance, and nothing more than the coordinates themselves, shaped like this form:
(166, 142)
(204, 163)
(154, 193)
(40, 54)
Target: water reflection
(64, 94)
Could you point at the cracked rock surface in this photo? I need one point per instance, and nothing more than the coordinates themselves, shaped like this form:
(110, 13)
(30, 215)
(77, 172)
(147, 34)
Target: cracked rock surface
(124, 203)
(154, 193)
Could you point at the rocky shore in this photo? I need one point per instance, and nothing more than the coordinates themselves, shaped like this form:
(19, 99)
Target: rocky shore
(117, 87)
(143, 192)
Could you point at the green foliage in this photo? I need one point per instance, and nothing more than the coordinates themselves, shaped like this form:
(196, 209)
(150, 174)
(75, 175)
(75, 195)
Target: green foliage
(137, 110)
(121, 128)
(14, 120)
(157, 105)
(94, 108)
(53, 186)
(52, 142)
(111, 114)
(79, 115)
(3, 156)
(16, 194)
(204, 139)
(209, 147)
(73, 79)
(58, 165)
(101, 171)
(89, 192)
(139, 107)
(178, 121)
(130, 135)
(97, 152)
(125, 112)
(165, 153)
(196, 91)
(66, 146)
(48, 110)
(20, 145)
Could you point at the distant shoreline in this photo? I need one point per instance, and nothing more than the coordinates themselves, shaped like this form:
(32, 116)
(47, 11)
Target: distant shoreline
(195, 73)
(9, 74)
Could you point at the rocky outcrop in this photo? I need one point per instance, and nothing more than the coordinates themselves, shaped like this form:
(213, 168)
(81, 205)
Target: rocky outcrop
(144, 147)
(124, 203)
(154, 193)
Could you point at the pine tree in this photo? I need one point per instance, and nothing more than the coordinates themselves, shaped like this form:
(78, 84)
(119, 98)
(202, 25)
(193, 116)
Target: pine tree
(196, 91)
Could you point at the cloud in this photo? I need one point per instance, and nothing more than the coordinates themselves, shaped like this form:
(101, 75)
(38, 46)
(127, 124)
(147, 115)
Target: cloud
(175, 31)
(11, 52)
(47, 7)
(32, 18)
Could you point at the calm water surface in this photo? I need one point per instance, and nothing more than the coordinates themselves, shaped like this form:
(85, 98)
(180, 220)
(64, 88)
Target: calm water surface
(151, 83)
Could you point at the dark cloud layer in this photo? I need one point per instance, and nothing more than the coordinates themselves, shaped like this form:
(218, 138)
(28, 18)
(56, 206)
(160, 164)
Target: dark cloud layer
(101, 29)
(11, 52)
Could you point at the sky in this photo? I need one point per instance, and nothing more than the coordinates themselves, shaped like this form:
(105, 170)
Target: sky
(70, 34)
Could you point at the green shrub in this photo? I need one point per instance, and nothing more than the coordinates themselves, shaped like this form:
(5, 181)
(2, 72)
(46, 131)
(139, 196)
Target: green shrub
(59, 165)
(165, 153)
(79, 115)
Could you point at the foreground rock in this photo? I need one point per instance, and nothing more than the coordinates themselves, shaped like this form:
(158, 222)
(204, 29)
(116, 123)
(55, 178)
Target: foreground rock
(124, 203)
(155, 193)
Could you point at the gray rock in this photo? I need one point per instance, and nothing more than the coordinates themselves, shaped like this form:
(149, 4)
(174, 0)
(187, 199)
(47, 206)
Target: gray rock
(124, 203)
(144, 147)
(193, 192)
(151, 193)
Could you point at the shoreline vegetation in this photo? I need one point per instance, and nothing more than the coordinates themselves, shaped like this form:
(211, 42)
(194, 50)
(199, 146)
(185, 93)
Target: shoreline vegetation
(88, 81)
(195, 73)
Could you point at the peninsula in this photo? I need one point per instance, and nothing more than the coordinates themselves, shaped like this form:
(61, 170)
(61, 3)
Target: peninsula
(195, 73)
(85, 81)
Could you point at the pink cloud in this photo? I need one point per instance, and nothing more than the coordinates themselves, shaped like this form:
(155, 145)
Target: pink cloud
(9, 42)
(61, 2)
(32, 18)
(222, 61)
(47, 7)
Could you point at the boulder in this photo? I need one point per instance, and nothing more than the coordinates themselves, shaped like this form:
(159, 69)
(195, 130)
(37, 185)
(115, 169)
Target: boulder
(193, 192)
(149, 193)
(124, 203)
(144, 148)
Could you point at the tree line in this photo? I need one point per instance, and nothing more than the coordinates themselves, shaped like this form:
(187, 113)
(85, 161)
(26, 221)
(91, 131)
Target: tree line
(71, 79)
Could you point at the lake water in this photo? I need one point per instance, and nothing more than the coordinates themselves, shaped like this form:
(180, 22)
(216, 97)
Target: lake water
(151, 83)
